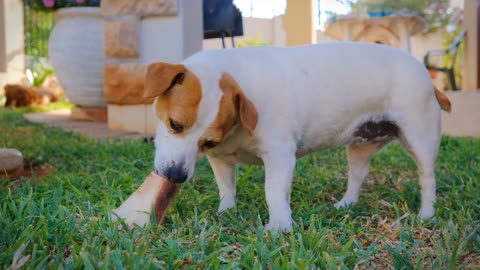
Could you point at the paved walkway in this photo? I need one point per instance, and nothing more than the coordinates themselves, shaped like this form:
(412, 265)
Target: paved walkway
(96, 130)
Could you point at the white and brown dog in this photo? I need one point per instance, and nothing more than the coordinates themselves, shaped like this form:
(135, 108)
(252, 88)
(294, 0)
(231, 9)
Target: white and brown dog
(264, 105)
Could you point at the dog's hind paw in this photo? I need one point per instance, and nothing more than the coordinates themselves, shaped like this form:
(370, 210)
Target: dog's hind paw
(343, 204)
(226, 204)
(426, 212)
(278, 228)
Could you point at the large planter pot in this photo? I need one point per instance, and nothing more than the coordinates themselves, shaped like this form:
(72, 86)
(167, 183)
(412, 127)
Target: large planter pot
(75, 49)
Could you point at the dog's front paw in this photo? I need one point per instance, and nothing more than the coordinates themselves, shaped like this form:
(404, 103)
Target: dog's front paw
(426, 212)
(279, 227)
(280, 224)
(344, 203)
(226, 203)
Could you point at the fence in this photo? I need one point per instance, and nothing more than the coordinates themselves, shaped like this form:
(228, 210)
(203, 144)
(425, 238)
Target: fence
(38, 25)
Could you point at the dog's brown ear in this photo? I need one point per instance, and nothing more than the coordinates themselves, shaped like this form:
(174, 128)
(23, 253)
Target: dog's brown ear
(244, 106)
(162, 76)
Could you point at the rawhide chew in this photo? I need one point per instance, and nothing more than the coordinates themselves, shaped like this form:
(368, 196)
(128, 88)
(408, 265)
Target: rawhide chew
(154, 193)
(166, 194)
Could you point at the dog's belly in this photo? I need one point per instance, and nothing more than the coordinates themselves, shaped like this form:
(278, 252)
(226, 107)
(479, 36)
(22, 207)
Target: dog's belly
(370, 128)
(246, 157)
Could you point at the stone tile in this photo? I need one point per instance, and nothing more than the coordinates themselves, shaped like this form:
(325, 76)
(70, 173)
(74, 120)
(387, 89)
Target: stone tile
(139, 8)
(97, 130)
(121, 37)
(127, 117)
(89, 113)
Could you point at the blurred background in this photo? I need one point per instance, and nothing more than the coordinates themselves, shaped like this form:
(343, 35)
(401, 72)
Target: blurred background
(91, 55)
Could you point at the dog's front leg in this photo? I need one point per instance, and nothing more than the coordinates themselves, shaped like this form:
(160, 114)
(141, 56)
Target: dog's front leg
(279, 167)
(224, 171)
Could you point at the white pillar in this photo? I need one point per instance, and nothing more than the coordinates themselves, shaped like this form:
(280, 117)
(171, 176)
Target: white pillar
(298, 23)
(470, 56)
(172, 38)
(347, 31)
(404, 35)
(12, 51)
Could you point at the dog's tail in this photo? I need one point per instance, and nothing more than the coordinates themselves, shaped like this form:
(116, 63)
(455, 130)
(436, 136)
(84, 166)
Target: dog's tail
(443, 100)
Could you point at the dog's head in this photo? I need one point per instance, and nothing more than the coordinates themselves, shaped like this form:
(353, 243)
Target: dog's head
(195, 115)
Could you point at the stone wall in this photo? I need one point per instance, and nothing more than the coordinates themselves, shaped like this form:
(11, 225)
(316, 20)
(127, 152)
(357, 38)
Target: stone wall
(124, 72)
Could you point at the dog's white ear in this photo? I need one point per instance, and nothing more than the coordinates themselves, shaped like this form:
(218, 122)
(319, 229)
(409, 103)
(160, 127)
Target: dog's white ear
(243, 105)
(162, 76)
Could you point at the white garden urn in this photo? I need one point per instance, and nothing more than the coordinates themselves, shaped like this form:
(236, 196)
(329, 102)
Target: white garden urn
(76, 51)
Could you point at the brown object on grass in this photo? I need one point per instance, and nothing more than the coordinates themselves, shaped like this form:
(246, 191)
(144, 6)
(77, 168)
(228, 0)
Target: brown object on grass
(154, 193)
(21, 96)
(166, 193)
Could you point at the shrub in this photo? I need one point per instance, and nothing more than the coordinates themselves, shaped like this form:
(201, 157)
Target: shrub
(56, 4)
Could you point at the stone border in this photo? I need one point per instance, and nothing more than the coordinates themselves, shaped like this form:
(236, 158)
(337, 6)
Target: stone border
(123, 82)
(139, 8)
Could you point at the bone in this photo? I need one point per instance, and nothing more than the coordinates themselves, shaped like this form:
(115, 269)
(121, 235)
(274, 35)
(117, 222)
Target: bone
(154, 193)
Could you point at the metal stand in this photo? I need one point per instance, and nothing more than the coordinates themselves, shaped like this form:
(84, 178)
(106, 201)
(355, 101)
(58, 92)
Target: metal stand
(223, 34)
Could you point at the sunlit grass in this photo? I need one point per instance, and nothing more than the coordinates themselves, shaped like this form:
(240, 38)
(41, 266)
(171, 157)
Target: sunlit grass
(64, 218)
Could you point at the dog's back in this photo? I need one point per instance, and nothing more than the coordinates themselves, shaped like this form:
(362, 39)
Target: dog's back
(336, 84)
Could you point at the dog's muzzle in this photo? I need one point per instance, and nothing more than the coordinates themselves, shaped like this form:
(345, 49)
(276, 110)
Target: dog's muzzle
(176, 174)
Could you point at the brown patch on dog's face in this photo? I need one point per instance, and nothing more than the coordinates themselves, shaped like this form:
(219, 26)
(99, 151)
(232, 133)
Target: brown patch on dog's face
(234, 106)
(179, 93)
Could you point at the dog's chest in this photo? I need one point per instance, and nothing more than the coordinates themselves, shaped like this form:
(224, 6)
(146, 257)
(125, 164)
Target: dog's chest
(246, 157)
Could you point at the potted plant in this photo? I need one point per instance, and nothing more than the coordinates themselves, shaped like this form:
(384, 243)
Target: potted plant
(76, 49)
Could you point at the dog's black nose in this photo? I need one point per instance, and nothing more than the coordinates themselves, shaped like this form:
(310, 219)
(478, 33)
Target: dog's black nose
(176, 174)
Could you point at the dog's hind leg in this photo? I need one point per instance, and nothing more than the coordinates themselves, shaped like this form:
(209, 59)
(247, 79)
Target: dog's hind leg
(224, 172)
(358, 160)
(423, 147)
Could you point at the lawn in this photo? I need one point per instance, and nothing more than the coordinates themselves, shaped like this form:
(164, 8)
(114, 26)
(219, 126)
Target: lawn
(62, 220)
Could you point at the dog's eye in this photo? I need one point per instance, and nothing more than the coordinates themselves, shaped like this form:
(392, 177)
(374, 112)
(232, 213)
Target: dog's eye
(209, 144)
(178, 128)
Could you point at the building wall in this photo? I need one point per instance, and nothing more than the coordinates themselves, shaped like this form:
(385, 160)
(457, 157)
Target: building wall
(271, 30)
(421, 44)
(12, 58)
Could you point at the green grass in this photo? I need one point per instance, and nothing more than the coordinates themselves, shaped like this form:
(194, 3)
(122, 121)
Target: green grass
(63, 221)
